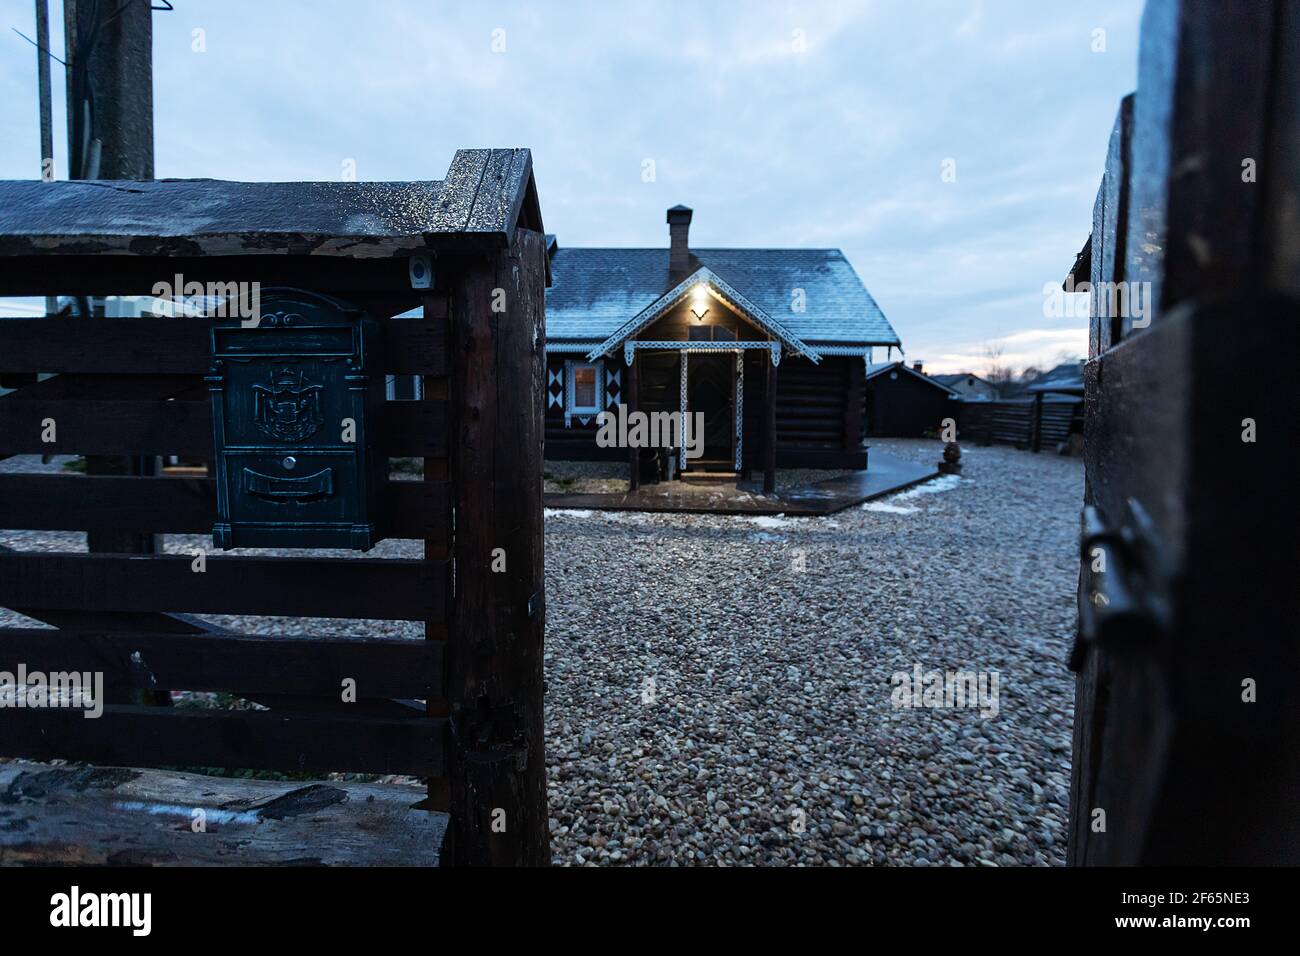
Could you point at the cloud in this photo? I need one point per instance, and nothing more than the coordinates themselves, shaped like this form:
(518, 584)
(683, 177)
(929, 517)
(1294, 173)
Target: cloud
(834, 143)
(1040, 348)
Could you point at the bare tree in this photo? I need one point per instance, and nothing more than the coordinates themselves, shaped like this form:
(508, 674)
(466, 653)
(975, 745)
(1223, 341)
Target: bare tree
(1066, 357)
(995, 369)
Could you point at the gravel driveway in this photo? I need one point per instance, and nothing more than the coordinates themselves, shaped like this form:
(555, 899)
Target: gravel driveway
(720, 689)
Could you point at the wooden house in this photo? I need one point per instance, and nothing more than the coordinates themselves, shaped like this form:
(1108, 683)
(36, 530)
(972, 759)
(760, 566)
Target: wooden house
(971, 387)
(904, 402)
(769, 345)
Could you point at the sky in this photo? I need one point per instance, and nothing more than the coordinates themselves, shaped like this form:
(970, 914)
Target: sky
(951, 148)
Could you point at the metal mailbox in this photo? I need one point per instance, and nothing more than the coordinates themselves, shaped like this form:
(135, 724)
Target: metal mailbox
(296, 400)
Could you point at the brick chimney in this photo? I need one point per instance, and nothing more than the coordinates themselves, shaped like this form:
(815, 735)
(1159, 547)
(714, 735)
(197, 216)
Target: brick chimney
(679, 250)
(916, 367)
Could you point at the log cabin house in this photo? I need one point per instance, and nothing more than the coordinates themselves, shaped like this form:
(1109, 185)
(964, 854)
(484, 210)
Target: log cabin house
(770, 345)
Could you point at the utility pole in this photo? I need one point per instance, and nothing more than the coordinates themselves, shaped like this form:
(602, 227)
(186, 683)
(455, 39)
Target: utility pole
(110, 88)
(46, 106)
(109, 47)
(43, 88)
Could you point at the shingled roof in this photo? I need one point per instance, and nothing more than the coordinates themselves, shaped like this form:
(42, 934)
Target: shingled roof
(594, 292)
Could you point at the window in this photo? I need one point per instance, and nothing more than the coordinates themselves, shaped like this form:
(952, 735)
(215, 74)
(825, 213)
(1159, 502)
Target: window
(711, 333)
(584, 389)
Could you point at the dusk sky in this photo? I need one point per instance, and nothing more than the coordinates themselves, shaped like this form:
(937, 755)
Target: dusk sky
(781, 124)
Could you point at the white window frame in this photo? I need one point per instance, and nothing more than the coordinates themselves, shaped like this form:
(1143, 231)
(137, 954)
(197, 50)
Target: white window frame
(571, 408)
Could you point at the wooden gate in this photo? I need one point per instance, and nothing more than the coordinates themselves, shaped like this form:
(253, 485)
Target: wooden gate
(1186, 719)
(459, 702)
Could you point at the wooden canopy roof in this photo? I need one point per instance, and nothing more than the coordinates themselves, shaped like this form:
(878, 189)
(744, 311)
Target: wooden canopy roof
(486, 195)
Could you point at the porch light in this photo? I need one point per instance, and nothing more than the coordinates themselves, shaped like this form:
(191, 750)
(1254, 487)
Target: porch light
(699, 301)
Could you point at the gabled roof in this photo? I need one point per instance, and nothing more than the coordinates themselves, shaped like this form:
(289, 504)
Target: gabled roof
(951, 378)
(1066, 377)
(595, 291)
(720, 290)
(486, 195)
(879, 368)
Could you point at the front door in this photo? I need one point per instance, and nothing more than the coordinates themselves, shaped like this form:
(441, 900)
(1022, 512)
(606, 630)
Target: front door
(711, 390)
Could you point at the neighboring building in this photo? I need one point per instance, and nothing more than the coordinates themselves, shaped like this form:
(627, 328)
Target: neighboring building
(1065, 379)
(707, 330)
(969, 386)
(904, 402)
(1068, 376)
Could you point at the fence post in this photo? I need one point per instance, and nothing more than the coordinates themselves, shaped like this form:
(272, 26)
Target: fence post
(497, 760)
(1036, 423)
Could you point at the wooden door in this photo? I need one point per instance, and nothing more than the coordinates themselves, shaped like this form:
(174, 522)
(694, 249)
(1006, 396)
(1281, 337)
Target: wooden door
(711, 391)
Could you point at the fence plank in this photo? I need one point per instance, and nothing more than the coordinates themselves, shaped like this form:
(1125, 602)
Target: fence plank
(317, 587)
(246, 739)
(175, 346)
(109, 427)
(241, 664)
(416, 509)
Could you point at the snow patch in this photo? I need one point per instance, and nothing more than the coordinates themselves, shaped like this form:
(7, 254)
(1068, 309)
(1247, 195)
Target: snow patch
(932, 487)
(888, 508)
(210, 814)
(770, 521)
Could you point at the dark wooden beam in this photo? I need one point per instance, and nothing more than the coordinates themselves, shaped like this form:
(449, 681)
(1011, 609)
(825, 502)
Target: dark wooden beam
(854, 397)
(632, 398)
(769, 432)
(249, 739)
(175, 346)
(177, 427)
(436, 311)
(237, 663)
(316, 587)
(416, 509)
(497, 765)
(1036, 423)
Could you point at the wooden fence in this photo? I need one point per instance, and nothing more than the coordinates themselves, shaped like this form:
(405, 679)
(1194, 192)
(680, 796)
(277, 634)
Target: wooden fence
(460, 707)
(1023, 422)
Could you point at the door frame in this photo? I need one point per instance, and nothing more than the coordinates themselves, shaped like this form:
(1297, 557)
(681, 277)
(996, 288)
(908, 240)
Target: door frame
(737, 417)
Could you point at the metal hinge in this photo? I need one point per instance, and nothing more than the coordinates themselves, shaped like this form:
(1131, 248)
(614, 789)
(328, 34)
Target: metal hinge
(1121, 607)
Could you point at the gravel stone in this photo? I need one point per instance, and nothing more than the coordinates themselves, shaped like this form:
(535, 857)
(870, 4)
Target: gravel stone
(768, 735)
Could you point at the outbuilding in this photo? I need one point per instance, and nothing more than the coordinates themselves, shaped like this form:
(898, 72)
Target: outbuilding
(904, 402)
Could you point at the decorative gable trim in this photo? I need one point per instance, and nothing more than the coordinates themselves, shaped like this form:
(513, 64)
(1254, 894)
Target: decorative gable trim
(720, 290)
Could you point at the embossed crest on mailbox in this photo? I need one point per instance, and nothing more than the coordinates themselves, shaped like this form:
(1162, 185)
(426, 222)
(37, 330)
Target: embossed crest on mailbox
(296, 401)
